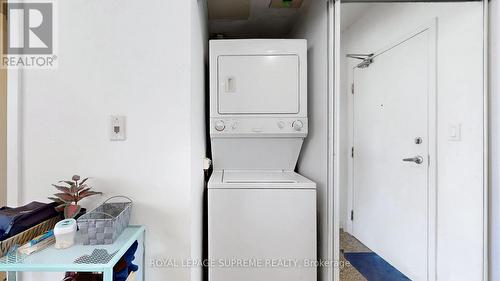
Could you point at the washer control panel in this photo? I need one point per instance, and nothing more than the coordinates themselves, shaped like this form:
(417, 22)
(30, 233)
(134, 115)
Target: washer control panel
(258, 126)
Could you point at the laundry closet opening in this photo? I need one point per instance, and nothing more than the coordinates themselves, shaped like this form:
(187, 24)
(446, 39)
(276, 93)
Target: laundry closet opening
(285, 103)
(411, 122)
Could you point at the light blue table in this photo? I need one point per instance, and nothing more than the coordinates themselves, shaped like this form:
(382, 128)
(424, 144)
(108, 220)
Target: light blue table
(54, 260)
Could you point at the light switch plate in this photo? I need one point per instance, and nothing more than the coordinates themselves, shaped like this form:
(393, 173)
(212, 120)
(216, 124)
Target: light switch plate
(455, 132)
(117, 128)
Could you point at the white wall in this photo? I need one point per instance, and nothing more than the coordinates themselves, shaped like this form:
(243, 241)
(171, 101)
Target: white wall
(143, 60)
(494, 140)
(313, 158)
(460, 101)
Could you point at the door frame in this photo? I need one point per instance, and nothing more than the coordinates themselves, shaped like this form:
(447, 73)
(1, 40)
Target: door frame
(431, 28)
(333, 148)
(14, 123)
(3, 110)
(333, 137)
(486, 139)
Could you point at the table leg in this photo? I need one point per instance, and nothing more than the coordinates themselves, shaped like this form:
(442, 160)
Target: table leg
(143, 277)
(108, 275)
(11, 276)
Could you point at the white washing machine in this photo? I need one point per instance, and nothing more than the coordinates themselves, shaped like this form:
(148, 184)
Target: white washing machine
(261, 214)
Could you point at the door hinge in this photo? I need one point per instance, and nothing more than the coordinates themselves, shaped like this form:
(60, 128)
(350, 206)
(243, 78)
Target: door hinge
(352, 152)
(352, 215)
(352, 88)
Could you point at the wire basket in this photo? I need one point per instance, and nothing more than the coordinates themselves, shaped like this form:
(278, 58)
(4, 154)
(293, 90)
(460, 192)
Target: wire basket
(105, 223)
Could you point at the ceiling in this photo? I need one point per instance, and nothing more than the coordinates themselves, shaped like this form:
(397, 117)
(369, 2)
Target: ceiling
(251, 18)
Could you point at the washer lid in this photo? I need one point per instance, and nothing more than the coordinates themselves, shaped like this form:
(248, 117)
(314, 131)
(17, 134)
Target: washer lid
(259, 179)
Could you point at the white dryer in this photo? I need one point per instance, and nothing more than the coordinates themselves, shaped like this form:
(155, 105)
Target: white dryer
(261, 214)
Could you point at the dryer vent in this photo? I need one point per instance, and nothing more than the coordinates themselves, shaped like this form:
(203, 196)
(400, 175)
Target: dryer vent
(294, 4)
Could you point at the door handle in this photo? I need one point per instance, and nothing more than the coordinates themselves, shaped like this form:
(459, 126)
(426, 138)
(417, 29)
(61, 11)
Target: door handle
(417, 159)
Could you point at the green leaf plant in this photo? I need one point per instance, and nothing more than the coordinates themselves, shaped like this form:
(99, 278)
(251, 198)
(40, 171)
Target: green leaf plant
(70, 193)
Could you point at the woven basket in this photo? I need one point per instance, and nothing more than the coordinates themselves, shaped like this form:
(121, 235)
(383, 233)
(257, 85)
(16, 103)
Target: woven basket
(27, 235)
(105, 223)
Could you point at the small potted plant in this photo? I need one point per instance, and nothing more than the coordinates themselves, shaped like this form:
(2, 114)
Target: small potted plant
(69, 195)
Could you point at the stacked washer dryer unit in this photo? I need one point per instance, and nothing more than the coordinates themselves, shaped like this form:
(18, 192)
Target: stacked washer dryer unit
(261, 214)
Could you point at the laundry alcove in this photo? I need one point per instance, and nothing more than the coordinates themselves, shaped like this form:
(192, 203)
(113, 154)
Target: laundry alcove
(307, 19)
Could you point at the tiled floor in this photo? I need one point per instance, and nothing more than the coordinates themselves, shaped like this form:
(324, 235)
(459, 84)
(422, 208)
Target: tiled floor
(350, 244)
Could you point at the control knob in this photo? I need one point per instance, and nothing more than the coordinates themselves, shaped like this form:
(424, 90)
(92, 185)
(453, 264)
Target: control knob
(297, 125)
(220, 126)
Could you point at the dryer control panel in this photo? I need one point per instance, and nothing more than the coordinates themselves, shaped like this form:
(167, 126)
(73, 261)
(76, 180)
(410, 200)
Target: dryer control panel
(258, 127)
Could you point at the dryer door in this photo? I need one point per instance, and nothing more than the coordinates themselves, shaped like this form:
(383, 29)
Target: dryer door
(260, 84)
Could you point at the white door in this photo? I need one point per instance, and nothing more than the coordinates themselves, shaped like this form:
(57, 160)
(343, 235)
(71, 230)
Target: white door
(391, 123)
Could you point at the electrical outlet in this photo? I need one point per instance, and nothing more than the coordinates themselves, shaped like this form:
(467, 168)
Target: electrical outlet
(117, 128)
